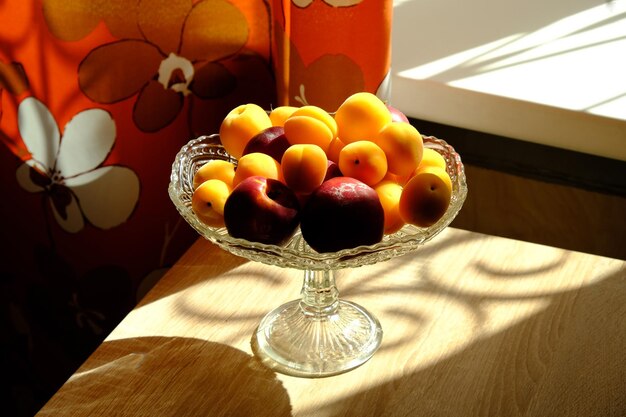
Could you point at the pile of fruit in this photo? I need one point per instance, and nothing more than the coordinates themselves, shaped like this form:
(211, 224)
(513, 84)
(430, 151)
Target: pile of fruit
(346, 179)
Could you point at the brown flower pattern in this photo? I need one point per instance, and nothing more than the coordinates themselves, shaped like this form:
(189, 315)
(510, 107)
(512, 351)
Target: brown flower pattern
(325, 82)
(167, 50)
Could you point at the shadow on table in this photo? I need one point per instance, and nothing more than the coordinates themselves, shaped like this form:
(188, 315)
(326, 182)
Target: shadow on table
(565, 360)
(170, 376)
(193, 267)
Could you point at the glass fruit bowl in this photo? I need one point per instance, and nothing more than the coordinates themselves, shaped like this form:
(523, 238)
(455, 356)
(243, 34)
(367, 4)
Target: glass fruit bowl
(318, 334)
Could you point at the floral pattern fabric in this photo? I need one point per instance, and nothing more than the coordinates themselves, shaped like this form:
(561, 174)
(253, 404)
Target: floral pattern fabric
(68, 171)
(326, 50)
(96, 99)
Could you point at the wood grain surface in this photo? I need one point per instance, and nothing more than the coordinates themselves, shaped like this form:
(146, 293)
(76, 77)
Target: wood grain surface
(474, 325)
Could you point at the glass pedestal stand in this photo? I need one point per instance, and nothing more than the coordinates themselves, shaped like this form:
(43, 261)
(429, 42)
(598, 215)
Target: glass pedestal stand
(318, 335)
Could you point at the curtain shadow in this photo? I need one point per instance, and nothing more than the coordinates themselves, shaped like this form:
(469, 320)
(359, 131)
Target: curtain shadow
(194, 266)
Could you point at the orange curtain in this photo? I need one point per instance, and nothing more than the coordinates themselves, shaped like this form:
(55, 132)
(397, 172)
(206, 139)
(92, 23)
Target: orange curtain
(325, 50)
(96, 98)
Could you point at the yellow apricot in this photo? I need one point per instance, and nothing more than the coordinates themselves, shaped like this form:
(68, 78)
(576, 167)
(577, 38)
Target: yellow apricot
(360, 117)
(304, 167)
(207, 202)
(389, 193)
(240, 125)
(319, 114)
(403, 146)
(363, 160)
(257, 163)
(280, 114)
(426, 197)
(307, 129)
(215, 169)
(335, 146)
(398, 179)
(431, 157)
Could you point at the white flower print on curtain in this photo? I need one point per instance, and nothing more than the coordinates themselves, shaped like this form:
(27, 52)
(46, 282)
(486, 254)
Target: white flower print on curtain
(68, 169)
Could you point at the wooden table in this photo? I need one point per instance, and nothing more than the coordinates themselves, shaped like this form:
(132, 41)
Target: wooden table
(474, 325)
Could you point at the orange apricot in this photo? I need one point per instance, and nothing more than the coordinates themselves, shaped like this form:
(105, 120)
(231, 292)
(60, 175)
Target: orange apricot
(360, 117)
(319, 114)
(335, 146)
(431, 157)
(307, 129)
(426, 197)
(207, 202)
(398, 179)
(257, 163)
(304, 167)
(215, 169)
(403, 146)
(363, 160)
(280, 114)
(389, 193)
(240, 125)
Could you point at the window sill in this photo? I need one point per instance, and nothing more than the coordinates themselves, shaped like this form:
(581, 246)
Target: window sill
(444, 70)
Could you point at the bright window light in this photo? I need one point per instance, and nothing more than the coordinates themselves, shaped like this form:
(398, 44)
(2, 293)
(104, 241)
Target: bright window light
(576, 62)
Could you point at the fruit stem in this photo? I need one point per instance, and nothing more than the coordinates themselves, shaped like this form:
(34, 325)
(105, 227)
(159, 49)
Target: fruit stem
(320, 297)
